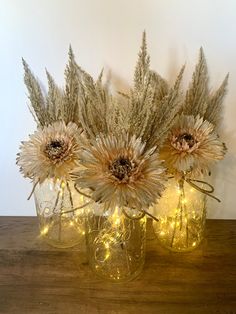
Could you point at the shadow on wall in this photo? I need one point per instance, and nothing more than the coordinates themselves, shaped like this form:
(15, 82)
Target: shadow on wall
(117, 83)
(173, 65)
(224, 180)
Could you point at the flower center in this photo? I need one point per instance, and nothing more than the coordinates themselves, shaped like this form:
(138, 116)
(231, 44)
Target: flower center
(121, 168)
(55, 149)
(186, 138)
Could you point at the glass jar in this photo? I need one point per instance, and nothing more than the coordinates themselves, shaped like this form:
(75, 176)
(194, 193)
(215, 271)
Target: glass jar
(182, 213)
(116, 243)
(60, 226)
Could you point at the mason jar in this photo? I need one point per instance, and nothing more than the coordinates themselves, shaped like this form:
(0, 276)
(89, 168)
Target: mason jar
(182, 214)
(61, 212)
(116, 242)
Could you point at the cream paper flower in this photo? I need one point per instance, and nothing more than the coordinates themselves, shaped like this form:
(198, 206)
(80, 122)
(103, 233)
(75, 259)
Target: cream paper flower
(192, 146)
(51, 152)
(119, 173)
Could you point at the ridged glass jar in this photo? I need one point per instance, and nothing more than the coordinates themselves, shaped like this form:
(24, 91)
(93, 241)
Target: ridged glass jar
(182, 213)
(60, 226)
(116, 244)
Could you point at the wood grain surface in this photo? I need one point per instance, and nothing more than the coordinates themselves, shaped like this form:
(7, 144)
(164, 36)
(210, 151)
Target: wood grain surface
(35, 278)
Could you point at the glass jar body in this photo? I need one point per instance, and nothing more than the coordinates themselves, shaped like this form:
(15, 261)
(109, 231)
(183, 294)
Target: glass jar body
(116, 243)
(60, 224)
(182, 213)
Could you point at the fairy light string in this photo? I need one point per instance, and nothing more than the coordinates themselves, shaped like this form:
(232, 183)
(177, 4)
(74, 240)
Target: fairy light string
(180, 233)
(61, 213)
(205, 191)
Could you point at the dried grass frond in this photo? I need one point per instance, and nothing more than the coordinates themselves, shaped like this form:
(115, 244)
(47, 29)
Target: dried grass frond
(197, 94)
(198, 100)
(93, 105)
(54, 99)
(160, 85)
(214, 105)
(142, 66)
(36, 97)
(152, 104)
(56, 104)
(70, 104)
(165, 114)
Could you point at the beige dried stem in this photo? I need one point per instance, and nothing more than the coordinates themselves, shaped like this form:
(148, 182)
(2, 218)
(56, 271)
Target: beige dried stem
(36, 97)
(152, 105)
(196, 96)
(99, 112)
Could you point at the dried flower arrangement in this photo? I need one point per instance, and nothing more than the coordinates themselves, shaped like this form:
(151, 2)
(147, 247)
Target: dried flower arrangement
(191, 147)
(52, 152)
(144, 116)
(193, 144)
(152, 113)
(117, 152)
(120, 165)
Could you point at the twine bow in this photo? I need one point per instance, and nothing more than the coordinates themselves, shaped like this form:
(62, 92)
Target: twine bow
(205, 191)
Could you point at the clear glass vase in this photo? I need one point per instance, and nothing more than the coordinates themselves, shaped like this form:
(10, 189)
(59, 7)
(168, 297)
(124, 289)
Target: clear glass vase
(60, 226)
(182, 213)
(116, 244)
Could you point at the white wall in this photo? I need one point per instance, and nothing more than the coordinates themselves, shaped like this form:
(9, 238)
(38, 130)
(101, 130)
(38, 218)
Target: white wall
(108, 32)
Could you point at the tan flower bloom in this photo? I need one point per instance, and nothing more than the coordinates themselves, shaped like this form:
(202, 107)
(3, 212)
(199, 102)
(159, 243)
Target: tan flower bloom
(51, 152)
(192, 146)
(119, 173)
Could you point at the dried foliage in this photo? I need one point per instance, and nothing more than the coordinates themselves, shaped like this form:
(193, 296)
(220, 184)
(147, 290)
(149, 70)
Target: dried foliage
(37, 99)
(196, 96)
(147, 111)
(94, 104)
(198, 99)
(57, 104)
(152, 104)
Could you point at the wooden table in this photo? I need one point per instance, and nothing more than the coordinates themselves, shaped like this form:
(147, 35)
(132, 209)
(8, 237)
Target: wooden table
(35, 278)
